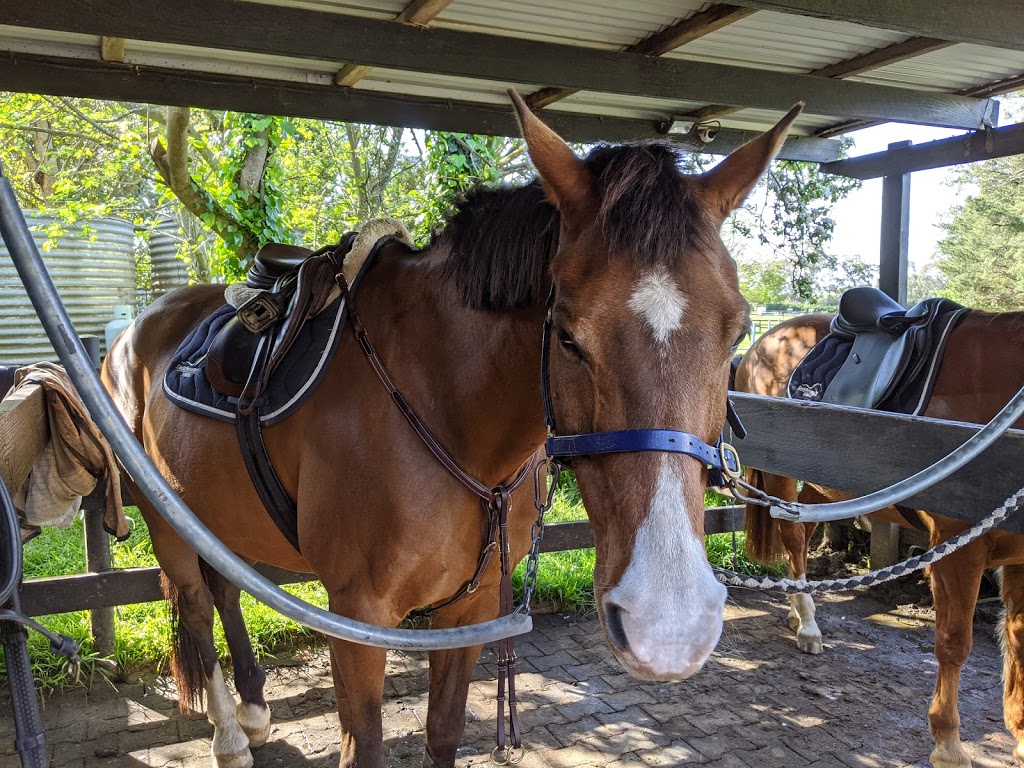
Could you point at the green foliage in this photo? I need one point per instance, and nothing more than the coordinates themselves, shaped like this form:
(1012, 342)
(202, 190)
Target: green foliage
(831, 285)
(77, 157)
(983, 251)
(765, 283)
(245, 212)
(791, 215)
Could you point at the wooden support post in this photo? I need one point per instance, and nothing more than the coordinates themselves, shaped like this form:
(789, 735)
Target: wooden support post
(892, 279)
(892, 263)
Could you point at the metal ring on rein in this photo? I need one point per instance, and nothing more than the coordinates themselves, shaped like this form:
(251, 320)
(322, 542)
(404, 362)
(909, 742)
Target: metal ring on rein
(908, 566)
(508, 755)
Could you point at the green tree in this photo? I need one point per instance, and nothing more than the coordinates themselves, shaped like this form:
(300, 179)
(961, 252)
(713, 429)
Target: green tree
(983, 251)
(765, 282)
(847, 274)
(790, 212)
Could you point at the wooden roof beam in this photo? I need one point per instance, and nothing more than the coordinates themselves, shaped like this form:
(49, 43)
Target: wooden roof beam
(420, 12)
(112, 48)
(61, 76)
(987, 90)
(968, 148)
(286, 32)
(696, 26)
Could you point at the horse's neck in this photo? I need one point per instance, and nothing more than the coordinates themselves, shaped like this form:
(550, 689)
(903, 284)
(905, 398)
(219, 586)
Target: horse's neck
(472, 376)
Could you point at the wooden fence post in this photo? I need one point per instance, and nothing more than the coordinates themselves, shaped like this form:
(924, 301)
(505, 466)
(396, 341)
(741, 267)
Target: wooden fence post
(97, 550)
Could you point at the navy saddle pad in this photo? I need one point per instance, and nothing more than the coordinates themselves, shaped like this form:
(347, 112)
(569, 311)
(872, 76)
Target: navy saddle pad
(298, 375)
(904, 385)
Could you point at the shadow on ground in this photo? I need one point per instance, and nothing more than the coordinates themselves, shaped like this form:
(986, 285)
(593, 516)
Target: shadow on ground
(758, 704)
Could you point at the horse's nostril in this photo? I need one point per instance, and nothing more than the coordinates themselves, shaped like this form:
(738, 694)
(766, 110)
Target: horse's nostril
(613, 626)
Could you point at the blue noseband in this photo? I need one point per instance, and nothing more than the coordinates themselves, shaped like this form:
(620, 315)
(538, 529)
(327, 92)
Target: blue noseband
(720, 459)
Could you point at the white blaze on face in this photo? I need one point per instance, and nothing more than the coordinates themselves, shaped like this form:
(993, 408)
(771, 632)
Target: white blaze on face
(660, 304)
(668, 600)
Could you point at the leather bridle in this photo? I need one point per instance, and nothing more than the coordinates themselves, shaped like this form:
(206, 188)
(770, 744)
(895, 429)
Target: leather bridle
(721, 459)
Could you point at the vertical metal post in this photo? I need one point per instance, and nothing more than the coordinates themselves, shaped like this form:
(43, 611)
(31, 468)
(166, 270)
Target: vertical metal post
(892, 279)
(97, 550)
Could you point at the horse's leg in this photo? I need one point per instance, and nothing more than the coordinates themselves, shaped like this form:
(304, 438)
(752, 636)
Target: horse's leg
(1013, 654)
(955, 581)
(796, 538)
(253, 714)
(450, 675)
(194, 660)
(359, 687)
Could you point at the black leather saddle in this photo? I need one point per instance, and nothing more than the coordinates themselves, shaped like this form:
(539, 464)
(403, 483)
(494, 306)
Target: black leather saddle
(893, 349)
(293, 284)
(273, 261)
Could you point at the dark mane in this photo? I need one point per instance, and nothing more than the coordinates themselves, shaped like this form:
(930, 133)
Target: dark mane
(501, 239)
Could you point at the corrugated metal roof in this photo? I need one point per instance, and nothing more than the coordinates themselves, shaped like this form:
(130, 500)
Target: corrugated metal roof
(608, 24)
(764, 40)
(787, 43)
(955, 68)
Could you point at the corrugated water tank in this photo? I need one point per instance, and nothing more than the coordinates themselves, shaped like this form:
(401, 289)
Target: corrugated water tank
(93, 266)
(167, 270)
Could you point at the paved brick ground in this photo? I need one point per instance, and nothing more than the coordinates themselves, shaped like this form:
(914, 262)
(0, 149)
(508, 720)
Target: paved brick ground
(758, 704)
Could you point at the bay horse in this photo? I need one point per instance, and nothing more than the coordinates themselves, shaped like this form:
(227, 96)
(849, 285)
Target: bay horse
(646, 316)
(982, 368)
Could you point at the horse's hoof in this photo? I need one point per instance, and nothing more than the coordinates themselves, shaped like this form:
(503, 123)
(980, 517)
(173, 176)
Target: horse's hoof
(240, 759)
(950, 756)
(230, 747)
(809, 643)
(255, 722)
(793, 620)
(428, 761)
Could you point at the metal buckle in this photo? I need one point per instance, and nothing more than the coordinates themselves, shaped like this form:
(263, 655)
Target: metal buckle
(724, 452)
(259, 313)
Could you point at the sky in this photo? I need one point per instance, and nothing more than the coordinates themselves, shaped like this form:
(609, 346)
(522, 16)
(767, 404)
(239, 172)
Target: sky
(932, 194)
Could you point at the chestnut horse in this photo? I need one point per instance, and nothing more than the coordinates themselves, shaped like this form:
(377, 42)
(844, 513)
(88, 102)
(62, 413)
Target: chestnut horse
(647, 313)
(981, 370)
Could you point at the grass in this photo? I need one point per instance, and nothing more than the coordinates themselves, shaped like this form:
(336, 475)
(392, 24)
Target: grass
(565, 583)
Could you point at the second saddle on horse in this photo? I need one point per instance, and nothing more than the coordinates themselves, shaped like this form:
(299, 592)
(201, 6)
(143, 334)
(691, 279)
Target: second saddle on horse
(878, 354)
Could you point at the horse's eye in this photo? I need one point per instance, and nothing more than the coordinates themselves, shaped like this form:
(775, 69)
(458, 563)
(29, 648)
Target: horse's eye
(569, 345)
(739, 339)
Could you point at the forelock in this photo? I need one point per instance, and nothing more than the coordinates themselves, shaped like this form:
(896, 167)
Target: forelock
(649, 210)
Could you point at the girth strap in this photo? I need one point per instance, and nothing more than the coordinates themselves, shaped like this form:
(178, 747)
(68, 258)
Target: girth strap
(275, 498)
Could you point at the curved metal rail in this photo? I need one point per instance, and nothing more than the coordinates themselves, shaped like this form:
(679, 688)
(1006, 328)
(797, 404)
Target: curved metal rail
(55, 320)
(920, 481)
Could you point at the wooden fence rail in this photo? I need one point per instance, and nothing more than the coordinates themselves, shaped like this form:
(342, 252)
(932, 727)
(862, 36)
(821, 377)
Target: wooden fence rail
(109, 588)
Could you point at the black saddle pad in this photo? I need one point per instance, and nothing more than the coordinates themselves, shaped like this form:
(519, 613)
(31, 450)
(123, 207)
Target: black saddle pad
(187, 386)
(819, 367)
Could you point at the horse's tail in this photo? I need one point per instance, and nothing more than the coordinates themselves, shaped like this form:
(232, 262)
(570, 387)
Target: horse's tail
(186, 661)
(764, 544)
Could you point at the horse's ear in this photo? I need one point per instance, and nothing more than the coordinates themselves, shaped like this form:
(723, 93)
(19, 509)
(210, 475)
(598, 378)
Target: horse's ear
(569, 183)
(728, 183)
